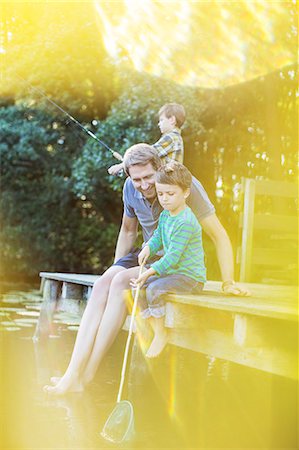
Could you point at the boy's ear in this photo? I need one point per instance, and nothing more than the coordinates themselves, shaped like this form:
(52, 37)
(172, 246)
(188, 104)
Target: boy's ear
(187, 193)
(173, 120)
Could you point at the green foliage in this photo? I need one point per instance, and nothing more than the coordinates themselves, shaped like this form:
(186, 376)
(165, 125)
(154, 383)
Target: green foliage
(246, 130)
(41, 217)
(61, 209)
(53, 46)
(132, 118)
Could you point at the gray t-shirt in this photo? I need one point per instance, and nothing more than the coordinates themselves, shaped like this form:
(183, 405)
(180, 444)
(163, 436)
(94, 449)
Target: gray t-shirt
(135, 205)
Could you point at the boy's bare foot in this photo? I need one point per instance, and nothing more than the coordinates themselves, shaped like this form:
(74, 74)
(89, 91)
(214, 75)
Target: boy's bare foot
(55, 380)
(158, 344)
(64, 386)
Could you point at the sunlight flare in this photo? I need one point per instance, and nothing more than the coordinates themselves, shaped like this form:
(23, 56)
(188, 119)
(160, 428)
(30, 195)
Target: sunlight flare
(198, 43)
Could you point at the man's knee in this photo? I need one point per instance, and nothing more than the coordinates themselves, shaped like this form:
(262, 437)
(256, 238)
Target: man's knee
(121, 280)
(103, 283)
(111, 273)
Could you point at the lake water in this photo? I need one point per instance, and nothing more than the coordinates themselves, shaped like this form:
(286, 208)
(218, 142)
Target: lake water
(183, 400)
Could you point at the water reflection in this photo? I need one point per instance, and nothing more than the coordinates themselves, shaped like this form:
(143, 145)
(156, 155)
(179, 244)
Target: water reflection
(181, 400)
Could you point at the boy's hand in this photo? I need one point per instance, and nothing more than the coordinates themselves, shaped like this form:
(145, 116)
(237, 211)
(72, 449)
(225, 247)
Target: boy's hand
(117, 156)
(142, 278)
(143, 255)
(115, 169)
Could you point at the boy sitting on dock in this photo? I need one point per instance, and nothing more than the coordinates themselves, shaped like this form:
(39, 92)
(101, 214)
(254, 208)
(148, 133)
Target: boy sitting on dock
(170, 145)
(181, 269)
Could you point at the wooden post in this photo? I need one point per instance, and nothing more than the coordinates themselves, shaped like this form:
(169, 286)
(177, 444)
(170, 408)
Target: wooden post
(51, 293)
(42, 285)
(247, 232)
(71, 297)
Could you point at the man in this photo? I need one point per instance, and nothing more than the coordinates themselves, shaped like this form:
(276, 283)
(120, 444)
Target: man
(106, 310)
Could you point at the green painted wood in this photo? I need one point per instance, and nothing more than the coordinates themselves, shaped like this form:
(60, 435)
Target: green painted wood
(280, 227)
(276, 188)
(247, 229)
(274, 257)
(273, 222)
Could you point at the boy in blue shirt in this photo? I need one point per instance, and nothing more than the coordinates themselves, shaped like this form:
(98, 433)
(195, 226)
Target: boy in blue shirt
(181, 268)
(170, 145)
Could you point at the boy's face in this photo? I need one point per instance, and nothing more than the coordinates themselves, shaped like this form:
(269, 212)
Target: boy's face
(172, 197)
(166, 124)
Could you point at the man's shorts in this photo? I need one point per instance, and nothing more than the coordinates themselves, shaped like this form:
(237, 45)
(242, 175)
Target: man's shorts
(131, 259)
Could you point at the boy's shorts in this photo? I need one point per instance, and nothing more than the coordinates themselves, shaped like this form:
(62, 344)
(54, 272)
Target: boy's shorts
(131, 259)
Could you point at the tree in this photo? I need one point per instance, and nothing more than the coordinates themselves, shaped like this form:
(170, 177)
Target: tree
(45, 226)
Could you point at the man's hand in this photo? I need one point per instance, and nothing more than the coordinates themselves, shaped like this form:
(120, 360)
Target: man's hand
(231, 288)
(143, 255)
(115, 169)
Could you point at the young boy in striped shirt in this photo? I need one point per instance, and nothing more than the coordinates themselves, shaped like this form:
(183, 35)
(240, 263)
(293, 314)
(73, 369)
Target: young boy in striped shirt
(170, 145)
(182, 268)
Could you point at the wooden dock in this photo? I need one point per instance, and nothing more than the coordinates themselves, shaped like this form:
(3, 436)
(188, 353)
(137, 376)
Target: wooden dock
(260, 331)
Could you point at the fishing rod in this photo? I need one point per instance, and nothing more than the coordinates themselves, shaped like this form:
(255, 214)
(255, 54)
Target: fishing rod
(90, 133)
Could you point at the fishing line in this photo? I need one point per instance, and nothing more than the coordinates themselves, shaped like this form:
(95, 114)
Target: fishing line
(90, 133)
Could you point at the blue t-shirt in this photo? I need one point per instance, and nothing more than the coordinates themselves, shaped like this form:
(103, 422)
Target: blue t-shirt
(147, 214)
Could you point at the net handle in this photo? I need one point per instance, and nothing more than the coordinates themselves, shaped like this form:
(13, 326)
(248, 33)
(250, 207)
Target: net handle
(124, 366)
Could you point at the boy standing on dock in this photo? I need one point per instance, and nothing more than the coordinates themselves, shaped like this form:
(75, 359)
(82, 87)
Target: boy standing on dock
(170, 145)
(181, 268)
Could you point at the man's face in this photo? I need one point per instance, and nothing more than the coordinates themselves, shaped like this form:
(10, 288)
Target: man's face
(143, 178)
(166, 124)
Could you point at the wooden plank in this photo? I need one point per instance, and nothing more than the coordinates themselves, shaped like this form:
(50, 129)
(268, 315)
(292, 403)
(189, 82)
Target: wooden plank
(273, 301)
(273, 222)
(84, 279)
(274, 257)
(266, 300)
(260, 342)
(278, 311)
(220, 345)
(283, 308)
(280, 258)
(276, 188)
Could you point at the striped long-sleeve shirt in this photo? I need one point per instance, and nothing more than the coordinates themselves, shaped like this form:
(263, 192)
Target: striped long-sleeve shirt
(170, 146)
(180, 237)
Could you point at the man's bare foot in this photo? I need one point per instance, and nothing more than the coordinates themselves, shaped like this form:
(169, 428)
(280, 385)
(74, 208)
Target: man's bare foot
(158, 344)
(64, 386)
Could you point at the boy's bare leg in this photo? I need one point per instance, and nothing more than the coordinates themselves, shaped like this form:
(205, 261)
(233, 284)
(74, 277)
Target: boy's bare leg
(112, 321)
(160, 337)
(72, 379)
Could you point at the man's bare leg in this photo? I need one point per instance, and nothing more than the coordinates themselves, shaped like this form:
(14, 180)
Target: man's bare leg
(112, 321)
(72, 379)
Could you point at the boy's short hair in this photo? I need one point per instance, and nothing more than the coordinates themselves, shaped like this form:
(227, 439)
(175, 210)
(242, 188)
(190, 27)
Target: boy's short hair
(174, 173)
(176, 110)
(141, 154)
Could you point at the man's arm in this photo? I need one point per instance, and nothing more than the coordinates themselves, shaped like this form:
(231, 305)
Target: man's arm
(214, 229)
(126, 237)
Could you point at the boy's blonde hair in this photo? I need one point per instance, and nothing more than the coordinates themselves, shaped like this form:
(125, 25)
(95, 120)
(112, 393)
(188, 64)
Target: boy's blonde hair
(141, 155)
(176, 110)
(174, 173)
